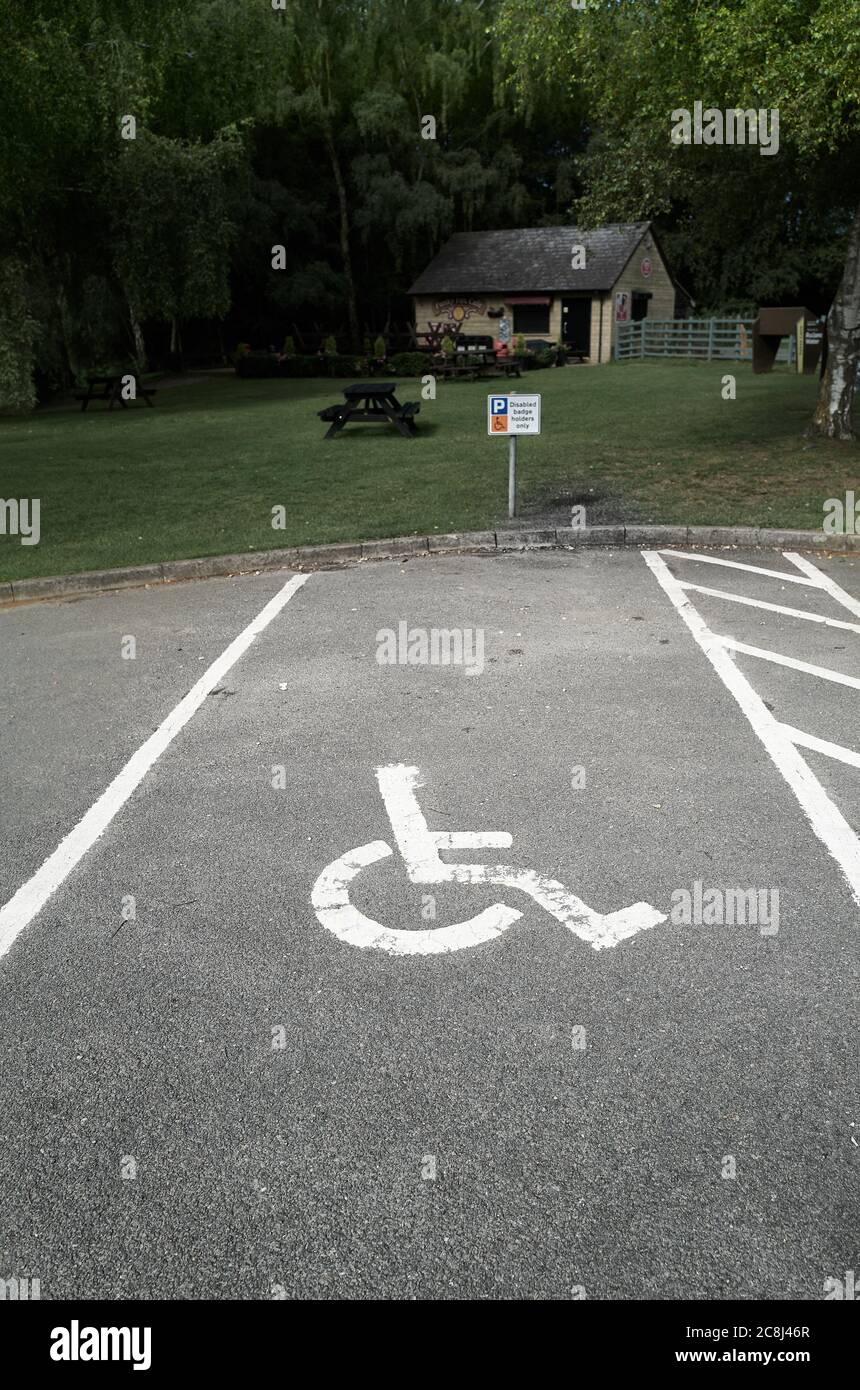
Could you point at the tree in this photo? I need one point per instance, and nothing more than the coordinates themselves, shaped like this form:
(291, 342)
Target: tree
(68, 72)
(327, 99)
(325, 73)
(174, 227)
(638, 60)
(18, 330)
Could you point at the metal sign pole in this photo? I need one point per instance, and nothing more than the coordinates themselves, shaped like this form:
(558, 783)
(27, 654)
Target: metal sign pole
(512, 475)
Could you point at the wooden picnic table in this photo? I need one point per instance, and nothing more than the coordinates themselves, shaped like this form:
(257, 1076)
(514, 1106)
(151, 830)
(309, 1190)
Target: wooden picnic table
(111, 390)
(379, 404)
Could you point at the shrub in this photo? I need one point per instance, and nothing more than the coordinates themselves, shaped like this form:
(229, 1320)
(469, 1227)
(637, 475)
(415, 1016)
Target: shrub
(300, 364)
(410, 363)
(289, 348)
(253, 364)
(447, 345)
(263, 364)
(330, 347)
(379, 348)
(520, 345)
(345, 364)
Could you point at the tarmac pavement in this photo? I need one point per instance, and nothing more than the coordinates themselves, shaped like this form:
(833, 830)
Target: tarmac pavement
(222, 1097)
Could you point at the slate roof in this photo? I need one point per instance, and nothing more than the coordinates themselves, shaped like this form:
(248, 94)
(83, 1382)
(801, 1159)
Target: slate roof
(530, 259)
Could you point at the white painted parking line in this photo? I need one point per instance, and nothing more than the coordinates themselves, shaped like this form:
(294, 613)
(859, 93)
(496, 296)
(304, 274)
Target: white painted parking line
(822, 745)
(823, 581)
(736, 565)
(770, 607)
(807, 667)
(32, 895)
(826, 819)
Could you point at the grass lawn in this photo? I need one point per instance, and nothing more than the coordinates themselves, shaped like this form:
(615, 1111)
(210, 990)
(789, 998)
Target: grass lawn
(200, 473)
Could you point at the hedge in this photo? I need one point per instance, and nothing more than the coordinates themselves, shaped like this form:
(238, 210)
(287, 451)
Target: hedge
(265, 364)
(410, 363)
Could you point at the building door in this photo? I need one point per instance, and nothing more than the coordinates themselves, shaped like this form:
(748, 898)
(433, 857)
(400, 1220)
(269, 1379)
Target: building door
(576, 326)
(640, 305)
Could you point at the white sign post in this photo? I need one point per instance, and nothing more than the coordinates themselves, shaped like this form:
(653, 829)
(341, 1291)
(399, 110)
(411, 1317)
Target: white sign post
(511, 416)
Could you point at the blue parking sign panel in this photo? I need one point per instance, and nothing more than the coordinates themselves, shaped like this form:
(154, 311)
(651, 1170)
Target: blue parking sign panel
(497, 415)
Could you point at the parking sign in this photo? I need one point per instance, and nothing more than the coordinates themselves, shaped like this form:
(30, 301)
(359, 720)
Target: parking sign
(513, 414)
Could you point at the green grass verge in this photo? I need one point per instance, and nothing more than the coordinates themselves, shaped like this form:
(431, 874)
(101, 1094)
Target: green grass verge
(200, 473)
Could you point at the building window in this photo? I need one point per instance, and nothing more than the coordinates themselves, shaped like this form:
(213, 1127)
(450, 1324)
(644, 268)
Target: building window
(531, 318)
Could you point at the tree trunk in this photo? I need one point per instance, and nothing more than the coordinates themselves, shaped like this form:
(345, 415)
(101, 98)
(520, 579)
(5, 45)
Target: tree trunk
(63, 318)
(351, 303)
(176, 363)
(832, 416)
(136, 336)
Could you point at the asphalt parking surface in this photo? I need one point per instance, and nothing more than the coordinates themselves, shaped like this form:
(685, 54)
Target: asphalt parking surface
(220, 1098)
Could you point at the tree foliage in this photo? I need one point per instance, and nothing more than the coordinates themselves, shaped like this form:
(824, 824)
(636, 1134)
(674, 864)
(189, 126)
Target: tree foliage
(735, 223)
(304, 127)
(174, 207)
(18, 332)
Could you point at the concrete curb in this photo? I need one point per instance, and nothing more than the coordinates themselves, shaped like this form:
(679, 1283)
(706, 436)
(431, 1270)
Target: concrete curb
(315, 557)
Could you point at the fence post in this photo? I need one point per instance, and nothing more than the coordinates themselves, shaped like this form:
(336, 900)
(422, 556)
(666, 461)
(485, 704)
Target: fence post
(642, 323)
(710, 340)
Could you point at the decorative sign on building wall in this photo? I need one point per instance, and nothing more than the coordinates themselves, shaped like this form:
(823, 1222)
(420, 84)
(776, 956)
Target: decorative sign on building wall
(504, 330)
(646, 267)
(622, 307)
(459, 309)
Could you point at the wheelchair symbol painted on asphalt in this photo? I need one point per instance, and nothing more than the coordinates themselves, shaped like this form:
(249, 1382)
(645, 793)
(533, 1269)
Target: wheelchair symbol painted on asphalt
(420, 849)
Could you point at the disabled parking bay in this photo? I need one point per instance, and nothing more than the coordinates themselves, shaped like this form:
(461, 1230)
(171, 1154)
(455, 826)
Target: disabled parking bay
(373, 979)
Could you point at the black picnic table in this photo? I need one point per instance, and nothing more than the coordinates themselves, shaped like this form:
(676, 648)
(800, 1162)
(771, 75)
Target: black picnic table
(379, 404)
(111, 390)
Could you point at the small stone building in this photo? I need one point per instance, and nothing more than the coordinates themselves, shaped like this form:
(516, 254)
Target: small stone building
(550, 284)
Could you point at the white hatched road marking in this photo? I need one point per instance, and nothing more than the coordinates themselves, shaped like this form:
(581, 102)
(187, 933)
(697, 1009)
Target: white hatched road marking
(779, 739)
(808, 667)
(770, 607)
(822, 745)
(736, 565)
(823, 581)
